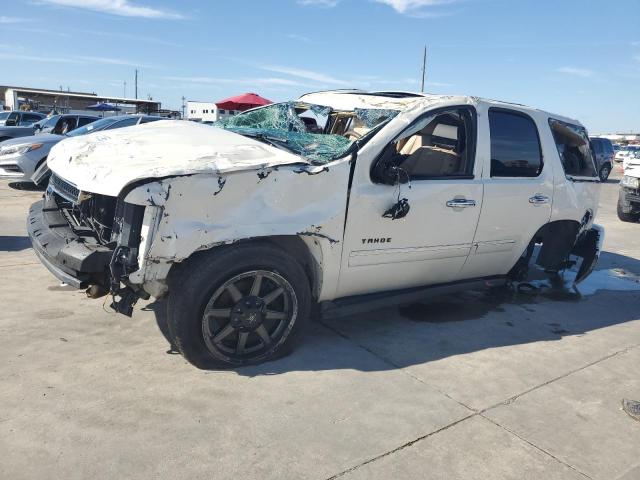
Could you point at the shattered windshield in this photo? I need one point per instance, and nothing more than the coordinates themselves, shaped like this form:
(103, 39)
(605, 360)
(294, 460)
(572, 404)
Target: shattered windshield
(317, 133)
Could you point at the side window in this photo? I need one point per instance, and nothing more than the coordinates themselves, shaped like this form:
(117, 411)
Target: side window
(438, 146)
(597, 146)
(149, 119)
(515, 145)
(127, 122)
(573, 147)
(85, 121)
(29, 119)
(608, 147)
(65, 125)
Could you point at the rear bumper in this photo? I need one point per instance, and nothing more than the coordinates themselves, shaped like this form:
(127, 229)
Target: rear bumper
(589, 247)
(76, 260)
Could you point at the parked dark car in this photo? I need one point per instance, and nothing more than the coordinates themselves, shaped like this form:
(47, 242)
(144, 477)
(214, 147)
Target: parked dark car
(603, 154)
(17, 118)
(62, 124)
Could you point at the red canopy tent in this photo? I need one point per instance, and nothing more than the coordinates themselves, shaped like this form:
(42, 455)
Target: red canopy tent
(243, 102)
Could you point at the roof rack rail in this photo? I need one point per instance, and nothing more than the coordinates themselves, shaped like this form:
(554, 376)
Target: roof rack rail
(334, 90)
(397, 93)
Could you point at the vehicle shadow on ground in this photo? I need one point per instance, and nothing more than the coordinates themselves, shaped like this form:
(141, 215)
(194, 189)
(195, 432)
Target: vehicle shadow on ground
(418, 333)
(26, 186)
(14, 243)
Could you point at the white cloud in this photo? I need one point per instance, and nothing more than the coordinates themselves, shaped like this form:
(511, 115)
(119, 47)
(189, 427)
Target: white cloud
(265, 82)
(78, 60)
(306, 74)
(299, 38)
(6, 20)
(578, 72)
(123, 8)
(113, 61)
(35, 58)
(319, 3)
(415, 7)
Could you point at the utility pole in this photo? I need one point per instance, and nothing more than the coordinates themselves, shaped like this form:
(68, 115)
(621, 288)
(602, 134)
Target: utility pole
(183, 106)
(424, 68)
(136, 83)
(125, 89)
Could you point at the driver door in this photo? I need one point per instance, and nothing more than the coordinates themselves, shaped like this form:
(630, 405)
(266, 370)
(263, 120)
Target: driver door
(432, 242)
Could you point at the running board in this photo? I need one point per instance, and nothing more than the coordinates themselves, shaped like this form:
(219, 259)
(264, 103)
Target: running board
(373, 301)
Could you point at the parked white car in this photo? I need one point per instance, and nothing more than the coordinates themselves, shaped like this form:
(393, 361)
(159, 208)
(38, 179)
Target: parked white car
(331, 199)
(625, 152)
(631, 160)
(629, 194)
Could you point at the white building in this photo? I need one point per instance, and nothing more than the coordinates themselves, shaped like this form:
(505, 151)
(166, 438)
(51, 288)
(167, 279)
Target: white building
(622, 137)
(207, 112)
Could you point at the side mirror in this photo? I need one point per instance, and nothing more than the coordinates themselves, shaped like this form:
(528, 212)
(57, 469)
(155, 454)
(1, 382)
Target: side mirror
(386, 170)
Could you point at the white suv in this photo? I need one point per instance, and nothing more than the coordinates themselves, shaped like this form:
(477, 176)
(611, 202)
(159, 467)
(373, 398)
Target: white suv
(335, 198)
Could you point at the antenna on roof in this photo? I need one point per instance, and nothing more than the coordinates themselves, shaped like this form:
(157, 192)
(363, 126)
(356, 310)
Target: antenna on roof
(424, 68)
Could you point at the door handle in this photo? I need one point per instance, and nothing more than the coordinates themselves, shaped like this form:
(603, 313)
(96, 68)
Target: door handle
(461, 203)
(538, 199)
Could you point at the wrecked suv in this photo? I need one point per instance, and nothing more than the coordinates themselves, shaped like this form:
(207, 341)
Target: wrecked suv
(334, 199)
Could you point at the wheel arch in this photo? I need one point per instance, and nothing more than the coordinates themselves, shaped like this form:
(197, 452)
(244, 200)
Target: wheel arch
(307, 253)
(557, 238)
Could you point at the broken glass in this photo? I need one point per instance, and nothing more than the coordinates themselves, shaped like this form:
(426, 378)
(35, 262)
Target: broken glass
(314, 147)
(373, 116)
(279, 116)
(281, 125)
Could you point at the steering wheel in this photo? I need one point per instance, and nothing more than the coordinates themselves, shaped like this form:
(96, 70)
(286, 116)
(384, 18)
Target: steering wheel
(352, 135)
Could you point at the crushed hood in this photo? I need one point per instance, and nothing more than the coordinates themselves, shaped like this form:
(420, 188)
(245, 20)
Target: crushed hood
(104, 162)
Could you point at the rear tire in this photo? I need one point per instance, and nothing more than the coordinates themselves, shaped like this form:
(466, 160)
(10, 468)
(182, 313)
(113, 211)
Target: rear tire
(627, 217)
(605, 171)
(238, 305)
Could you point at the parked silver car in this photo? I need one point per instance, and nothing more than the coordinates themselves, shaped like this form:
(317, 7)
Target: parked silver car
(21, 157)
(18, 124)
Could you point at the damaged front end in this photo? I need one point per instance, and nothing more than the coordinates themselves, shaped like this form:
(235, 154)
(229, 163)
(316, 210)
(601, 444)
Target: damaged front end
(88, 241)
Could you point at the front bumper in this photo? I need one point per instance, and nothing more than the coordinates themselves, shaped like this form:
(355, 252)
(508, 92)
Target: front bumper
(629, 200)
(76, 259)
(11, 171)
(21, 166)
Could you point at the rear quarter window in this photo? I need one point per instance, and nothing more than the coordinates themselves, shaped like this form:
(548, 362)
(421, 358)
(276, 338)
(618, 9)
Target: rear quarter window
(573, 147)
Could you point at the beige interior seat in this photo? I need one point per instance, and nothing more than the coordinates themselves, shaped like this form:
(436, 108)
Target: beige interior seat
(430, 161)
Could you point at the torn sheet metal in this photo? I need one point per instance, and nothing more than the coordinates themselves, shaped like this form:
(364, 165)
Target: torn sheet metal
(202, 211)
(105, 162)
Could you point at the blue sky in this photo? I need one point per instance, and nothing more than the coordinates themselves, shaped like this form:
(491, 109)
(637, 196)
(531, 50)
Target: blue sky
(574, 57)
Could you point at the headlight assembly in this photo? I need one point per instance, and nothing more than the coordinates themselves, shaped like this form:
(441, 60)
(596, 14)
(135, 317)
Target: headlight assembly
(630, 182)
(19, 149)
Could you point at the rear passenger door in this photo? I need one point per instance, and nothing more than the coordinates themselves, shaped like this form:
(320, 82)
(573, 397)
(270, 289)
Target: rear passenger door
(518, 190)
(82, 121)
(28, 119)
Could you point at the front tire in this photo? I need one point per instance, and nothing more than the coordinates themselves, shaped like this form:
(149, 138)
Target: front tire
(239, 305)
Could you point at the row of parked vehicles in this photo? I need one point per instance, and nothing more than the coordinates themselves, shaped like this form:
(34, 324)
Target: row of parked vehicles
(24, 148)
(332, 200)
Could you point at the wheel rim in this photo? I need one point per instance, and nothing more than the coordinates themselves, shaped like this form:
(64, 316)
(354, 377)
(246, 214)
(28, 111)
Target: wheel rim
(249, 316)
